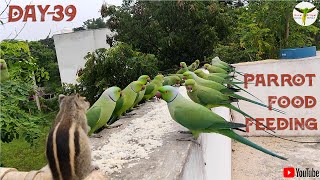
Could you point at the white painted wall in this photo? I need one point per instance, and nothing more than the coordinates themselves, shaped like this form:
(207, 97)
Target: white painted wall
(212, 160)
(298, 66)
(72, 47)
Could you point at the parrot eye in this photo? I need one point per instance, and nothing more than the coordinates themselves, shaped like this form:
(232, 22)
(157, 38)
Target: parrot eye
(166, 92)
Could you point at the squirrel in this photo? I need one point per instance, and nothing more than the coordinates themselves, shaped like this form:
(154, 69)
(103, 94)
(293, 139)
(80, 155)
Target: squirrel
(68, 150)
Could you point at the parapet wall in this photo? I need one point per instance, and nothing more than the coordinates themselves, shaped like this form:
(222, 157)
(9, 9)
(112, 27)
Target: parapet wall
(290, 85)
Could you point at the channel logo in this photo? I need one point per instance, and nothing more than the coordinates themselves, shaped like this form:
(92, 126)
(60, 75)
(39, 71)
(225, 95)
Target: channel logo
(288, 172)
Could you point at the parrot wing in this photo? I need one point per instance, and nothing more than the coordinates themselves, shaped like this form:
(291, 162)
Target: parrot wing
(149, 89)
(93, 115)
(299, 10)
(212, 97)
(196, 117)
(311, 9)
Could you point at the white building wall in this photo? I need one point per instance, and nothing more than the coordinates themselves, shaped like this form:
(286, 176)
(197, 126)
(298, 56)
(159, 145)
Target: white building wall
(72, 47)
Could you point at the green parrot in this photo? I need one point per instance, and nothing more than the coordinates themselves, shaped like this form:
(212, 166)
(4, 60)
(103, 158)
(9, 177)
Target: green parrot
(223, 65)
(153, 86)
(4, 74)
(192, 67)
(198, 119)
(171, 80)
(305, 11)
(100, 112)
(203, 75)
(208, 83)
(179, 75)
(144, 79)
(229, 91)
(127, 99)
(197, 63)
(216, 77)
(211, 98)
(183, 68)
(214, 69)
(216, 61)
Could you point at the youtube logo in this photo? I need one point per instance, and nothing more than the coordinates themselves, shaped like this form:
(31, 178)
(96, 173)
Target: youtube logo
(288, 172)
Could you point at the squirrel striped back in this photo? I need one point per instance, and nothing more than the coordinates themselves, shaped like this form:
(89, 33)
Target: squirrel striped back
(68, 150)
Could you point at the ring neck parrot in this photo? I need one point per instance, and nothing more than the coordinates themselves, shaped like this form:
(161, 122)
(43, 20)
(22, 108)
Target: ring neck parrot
(192, 67)
(223, 65)
(197, 63)
(214, 69)
(228, 91)
(124, 103)
(211, 98)
(100, 112)
(152, 87)
(183, 68)
(144, 79)
(4, 74)
(208, 83)
(171, 80)
(215, 77)
(199, 119)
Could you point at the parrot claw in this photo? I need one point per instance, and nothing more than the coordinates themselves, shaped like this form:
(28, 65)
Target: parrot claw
(129, 115)
(185, 132)
(96, 136)
(189, 139)
(116, 126)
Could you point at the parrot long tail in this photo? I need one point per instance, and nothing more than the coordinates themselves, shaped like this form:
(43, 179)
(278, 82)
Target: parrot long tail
(230, 106)
(112, 120)
(245, 141)
(241, 73)
(232, 82)
(246, 92)
(255, 102)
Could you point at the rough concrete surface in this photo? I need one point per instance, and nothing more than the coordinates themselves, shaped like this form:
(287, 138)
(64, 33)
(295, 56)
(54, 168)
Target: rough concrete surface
(137, 154)
(248, 163)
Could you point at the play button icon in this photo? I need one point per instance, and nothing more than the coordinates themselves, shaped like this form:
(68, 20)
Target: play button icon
(288, 172)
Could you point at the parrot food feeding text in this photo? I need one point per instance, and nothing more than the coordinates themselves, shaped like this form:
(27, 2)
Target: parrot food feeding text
(284, 123)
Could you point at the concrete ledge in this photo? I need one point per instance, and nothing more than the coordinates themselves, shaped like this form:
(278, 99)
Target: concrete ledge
(145, 147)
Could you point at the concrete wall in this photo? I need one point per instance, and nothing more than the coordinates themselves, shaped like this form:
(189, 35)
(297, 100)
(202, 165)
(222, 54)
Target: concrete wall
(72, 47)
(212, 159)
(280, 67)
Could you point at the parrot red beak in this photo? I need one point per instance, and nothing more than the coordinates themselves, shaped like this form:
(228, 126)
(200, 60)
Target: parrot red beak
(180, 65)
(148, 79)
(158, 95)
(184, 78)
(143, 87)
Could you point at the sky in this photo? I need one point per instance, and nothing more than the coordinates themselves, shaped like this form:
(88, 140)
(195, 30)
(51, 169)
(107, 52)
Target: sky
(86, 9)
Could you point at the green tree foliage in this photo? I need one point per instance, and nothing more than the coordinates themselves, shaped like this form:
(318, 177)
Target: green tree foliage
(266, 27)
(172, 30)
(117, 66)
(94, 23)
(19, 115)
(21, 64)
(44, 53)
(187, 30)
